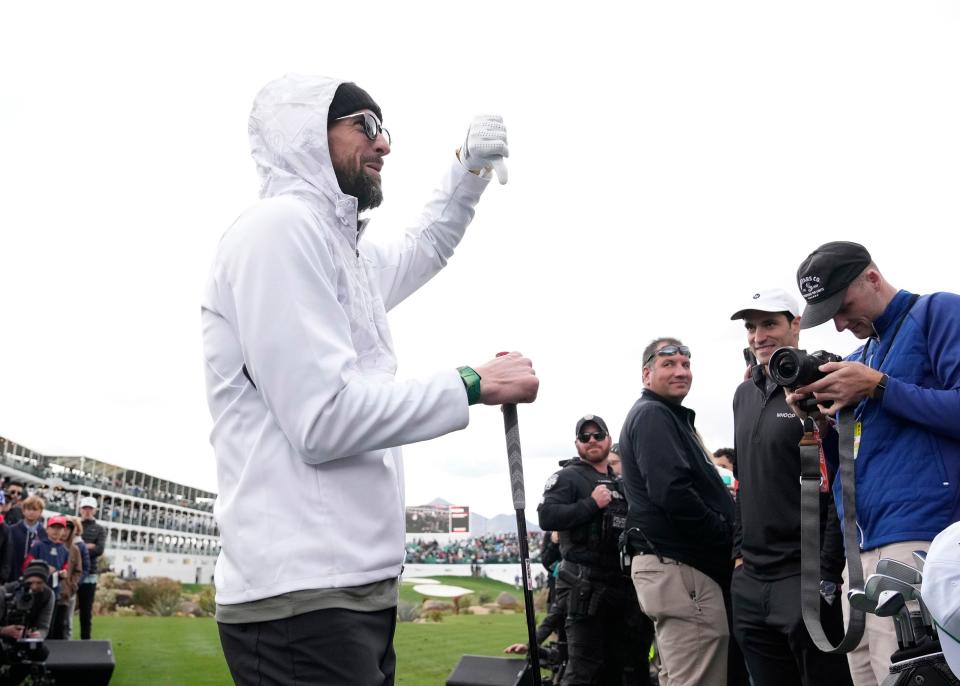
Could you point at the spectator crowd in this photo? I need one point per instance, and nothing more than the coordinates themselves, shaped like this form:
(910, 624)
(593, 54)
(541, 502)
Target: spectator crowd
(487, 549)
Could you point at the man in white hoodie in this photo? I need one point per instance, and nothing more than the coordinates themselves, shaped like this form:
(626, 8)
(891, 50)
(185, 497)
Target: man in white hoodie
(300, 383)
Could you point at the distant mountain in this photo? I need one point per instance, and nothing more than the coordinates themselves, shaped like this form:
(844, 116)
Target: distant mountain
(480, 525)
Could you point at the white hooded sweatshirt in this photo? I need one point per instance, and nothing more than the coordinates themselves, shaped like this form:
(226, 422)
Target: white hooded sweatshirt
(309, 469)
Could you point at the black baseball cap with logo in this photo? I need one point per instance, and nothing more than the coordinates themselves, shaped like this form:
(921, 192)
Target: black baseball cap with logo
(824, 276)
(586, 419)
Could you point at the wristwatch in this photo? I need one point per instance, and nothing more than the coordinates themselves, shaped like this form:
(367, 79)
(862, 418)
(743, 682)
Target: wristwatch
(471, 381)
(880, 388)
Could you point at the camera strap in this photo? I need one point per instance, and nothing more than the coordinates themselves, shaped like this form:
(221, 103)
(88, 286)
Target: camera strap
(868, 359)
(810, 481)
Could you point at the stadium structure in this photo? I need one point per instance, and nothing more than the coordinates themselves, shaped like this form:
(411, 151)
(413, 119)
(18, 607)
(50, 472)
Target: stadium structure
(156, 527)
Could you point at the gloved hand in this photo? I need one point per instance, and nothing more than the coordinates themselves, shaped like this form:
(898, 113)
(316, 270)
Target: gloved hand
(486, 146)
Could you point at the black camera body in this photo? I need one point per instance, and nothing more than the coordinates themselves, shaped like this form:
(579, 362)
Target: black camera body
(17, 604)
(27, 653)
(793, 367)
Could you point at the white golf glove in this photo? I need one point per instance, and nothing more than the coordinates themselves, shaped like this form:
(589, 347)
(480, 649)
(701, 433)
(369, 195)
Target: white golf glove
(486, 146)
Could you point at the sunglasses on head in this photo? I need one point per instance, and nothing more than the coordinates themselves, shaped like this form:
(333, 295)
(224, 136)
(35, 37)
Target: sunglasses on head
(668, 350)
(371, 125)
(587, 435)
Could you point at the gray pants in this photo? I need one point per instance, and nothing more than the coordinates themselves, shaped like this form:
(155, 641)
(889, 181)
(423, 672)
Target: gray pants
(333, 647)
(689, 618)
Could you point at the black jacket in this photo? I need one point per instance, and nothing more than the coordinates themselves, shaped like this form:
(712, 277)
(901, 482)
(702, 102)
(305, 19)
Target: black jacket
(96, 534)
(766, 438)
(588, 534)
(679, 507)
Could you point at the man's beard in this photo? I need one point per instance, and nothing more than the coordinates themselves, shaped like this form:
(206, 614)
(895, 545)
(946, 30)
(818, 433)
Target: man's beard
(362, 186)
(587, 457)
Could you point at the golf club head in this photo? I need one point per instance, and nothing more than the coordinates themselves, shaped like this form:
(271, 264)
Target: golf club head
(878, 583)
(859, 601)
(889, 603)
(899, 570)
(920, 556)
(892, 604)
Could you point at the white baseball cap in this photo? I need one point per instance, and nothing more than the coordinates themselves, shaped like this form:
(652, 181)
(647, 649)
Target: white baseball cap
(88, 502)
(941, 591)
(771, 300)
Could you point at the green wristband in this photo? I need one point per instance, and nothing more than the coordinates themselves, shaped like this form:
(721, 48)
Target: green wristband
(471, 381)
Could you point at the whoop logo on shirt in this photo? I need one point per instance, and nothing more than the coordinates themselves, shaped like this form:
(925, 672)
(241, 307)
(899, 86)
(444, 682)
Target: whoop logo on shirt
(786, 415)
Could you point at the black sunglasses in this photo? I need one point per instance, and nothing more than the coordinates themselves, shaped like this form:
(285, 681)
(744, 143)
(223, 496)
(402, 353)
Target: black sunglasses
(587, 435)
(667, 351)
(371, 125)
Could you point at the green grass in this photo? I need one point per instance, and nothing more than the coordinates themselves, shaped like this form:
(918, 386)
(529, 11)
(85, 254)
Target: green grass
(476, 584)
(186, 650)
(163, 650)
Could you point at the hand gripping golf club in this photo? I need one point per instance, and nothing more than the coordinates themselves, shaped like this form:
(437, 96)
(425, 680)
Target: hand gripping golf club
(511, 429)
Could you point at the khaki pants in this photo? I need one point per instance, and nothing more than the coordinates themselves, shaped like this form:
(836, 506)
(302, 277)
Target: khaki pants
(687, 610)
(870, 661)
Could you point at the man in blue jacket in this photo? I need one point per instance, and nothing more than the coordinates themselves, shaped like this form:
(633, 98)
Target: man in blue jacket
(902, 390)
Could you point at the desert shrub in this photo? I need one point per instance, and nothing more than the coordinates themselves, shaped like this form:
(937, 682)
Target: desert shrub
(465, 602)
(407, 612)
(434, 616)
(540, 599)
(108, 580)
(147, 593)
(483, 598)
(165, 605)
(206, 599)
(105, 600)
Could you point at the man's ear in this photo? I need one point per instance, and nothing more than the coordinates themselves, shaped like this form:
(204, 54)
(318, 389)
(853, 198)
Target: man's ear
(646, 375)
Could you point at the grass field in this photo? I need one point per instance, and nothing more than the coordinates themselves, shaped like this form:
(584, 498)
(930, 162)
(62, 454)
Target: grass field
(186, 651)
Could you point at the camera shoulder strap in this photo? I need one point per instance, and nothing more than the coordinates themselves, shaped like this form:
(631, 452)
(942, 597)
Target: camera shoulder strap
(810, 535)
(913, 301)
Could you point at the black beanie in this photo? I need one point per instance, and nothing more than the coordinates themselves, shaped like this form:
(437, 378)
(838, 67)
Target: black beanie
(351, 98)
(37, 568)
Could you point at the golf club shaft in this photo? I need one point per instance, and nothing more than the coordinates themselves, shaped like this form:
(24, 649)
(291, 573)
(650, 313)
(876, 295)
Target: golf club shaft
(511, 430)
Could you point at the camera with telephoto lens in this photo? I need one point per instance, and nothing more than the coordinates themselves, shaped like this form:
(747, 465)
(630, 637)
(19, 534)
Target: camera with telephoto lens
(24, 656)
(793, 367)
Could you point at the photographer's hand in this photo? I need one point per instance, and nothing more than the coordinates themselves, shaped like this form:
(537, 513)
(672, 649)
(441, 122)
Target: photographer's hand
(794, 397)
(14, 631)
(845, 383)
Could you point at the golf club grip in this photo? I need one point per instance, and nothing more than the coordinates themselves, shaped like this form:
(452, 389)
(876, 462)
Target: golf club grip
(511, 429)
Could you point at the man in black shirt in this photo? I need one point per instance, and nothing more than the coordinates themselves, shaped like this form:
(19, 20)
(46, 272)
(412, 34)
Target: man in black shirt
(767, 620)
(95, 538)
(584, 502)
(680, 524)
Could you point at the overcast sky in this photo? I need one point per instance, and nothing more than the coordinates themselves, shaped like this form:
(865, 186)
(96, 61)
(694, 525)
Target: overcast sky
(667, 161)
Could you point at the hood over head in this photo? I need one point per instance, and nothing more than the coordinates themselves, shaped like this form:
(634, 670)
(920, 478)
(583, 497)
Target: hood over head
(288, 140)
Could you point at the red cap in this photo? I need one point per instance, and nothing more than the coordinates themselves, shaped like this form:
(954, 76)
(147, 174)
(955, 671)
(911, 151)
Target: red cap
(57, 519)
